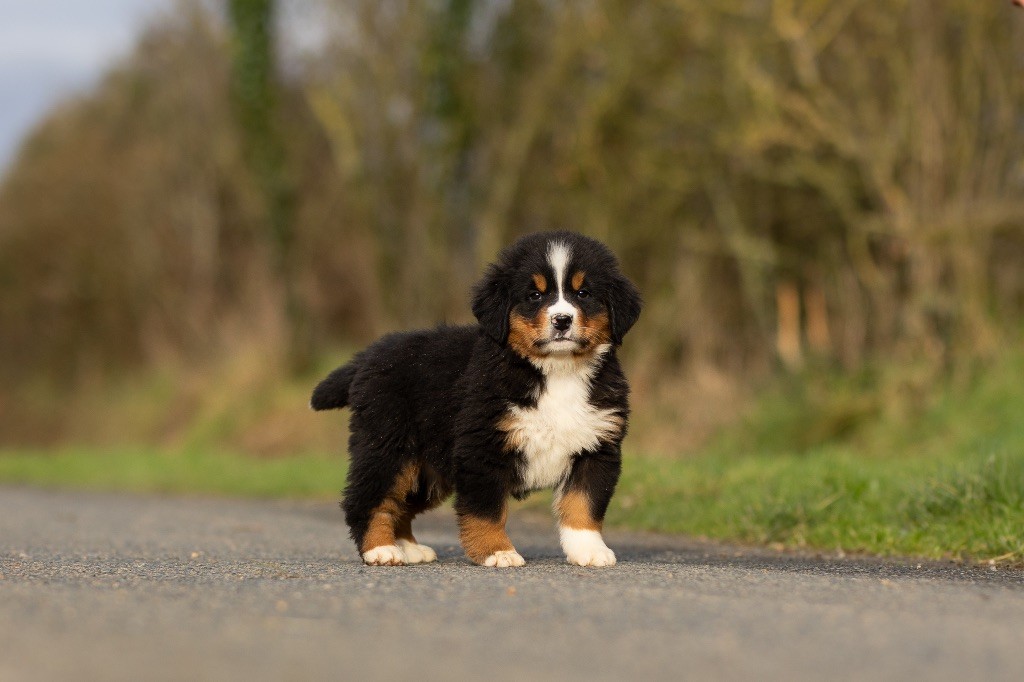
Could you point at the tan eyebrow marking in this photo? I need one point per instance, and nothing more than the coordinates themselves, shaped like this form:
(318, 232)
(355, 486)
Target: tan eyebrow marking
(540, 282)
(577, 279)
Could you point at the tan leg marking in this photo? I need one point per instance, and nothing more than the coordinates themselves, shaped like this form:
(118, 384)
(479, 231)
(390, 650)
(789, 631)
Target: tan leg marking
(426, 491)
(437, 492)
(415, 553)
(580, 533)
(482, 537)
(597, 330)
(574, 512)
(384, 523)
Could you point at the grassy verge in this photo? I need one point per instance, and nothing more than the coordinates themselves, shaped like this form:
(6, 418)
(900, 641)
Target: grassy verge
(180, 472)
(831, 499)
(835, 500)
(837, 463)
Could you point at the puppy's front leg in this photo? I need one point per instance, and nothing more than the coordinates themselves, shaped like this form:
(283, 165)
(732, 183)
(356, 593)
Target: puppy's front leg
(486, 542)
(482, 511)
(580, 505)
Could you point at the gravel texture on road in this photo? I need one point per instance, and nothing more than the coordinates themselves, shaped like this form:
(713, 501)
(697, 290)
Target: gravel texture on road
(118, 587)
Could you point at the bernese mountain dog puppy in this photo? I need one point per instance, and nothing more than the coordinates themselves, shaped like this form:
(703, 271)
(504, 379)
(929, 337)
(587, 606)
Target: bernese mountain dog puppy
(533, 397)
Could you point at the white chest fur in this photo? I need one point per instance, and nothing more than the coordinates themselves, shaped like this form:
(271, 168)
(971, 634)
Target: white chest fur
(564, 423)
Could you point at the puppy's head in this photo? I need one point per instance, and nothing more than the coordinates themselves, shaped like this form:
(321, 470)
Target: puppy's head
(556, 294)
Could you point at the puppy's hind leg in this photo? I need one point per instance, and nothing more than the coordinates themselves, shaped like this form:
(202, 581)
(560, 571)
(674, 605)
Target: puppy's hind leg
(431, 490)
(415, 553)
(374, 507)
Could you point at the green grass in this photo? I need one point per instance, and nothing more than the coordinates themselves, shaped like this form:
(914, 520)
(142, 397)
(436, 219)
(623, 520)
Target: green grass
(834, 500)
(865, 464)
(182, 472)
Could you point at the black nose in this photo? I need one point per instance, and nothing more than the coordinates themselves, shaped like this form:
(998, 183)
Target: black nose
(561, 322)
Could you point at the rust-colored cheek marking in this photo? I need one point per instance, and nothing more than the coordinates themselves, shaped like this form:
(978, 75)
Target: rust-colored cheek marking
(482, 537)
(577, 280)
(524, 332)
(574, 512)
(391, 519)
(597, 330)
(540, 282)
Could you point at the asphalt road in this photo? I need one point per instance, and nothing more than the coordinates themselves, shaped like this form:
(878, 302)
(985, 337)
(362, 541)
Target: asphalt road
(115, 587)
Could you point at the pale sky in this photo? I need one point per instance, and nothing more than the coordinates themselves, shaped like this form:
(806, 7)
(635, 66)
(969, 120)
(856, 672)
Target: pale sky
(52, 48)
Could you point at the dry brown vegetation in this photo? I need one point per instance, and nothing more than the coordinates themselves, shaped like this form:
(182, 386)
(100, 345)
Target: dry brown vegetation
(839, 182)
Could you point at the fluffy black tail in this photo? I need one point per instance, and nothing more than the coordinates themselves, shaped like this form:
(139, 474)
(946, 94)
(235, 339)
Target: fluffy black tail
(332, 392)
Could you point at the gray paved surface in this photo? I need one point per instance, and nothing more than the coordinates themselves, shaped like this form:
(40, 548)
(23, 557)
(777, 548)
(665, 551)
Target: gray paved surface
(118, 587)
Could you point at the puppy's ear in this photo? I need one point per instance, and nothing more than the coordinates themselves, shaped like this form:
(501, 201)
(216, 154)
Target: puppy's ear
(624, 305)
(492, 302)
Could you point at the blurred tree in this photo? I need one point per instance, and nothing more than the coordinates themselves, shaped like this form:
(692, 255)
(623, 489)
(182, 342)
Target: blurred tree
(255, 96)
(448, 70)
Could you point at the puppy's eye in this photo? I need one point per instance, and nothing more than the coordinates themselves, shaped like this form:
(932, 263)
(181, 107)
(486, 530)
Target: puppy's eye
(534, 296)
(582, 293)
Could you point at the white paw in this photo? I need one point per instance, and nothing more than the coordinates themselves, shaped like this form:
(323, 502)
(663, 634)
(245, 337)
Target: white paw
(505, 559)
(416, 553)
(586, 548)
(385, 555)
(595, 557)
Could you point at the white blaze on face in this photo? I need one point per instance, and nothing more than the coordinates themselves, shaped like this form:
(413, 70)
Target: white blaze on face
(558, 257)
